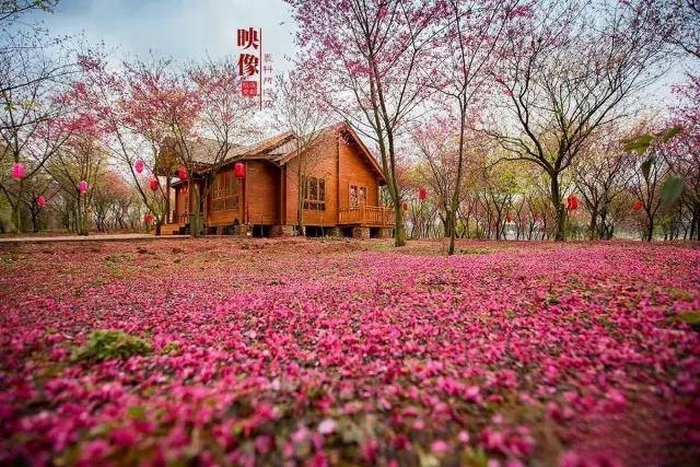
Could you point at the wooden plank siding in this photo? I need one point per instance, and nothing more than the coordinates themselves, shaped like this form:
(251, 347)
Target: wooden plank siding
(268, 194)
(225, 216)
(262, 193)
(321, 162)
(355, 170)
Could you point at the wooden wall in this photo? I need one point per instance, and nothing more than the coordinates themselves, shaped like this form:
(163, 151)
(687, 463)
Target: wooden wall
(180, 205)
(271, 194)
(262, 193)
(228, 216)
(356, 170)
(321, 162)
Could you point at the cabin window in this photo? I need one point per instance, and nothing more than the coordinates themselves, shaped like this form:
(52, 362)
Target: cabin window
(358, 196)
(314, 193)
(224, 192)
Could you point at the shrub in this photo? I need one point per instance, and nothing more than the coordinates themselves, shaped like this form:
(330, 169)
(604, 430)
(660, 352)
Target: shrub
(106, 345)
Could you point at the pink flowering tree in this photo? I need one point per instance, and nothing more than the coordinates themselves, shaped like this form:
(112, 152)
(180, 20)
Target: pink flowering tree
(163, 118)
(570, 70)
(33, 71)
(472, 42)
(603, 173)
(683, 152)
(367, 61)
(302, 112)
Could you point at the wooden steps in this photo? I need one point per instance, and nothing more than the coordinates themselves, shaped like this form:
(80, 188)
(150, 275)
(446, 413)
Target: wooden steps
(171, 229)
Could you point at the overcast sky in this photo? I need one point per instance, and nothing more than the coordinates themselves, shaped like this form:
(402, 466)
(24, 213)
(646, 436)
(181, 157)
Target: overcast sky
(181, 29)
(191, 29)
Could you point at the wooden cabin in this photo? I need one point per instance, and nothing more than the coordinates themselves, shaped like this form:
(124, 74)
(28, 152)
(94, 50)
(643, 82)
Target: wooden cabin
(339, 179)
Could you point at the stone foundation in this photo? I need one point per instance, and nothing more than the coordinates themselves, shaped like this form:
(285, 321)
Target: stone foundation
(385, 233)
(241, 230)
(360, 232)
(333, 232)
(281, 231)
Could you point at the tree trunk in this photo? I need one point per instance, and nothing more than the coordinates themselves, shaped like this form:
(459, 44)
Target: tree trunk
(16, 212)
(593, 226)
(650, 230)
(300, 199)
(451, 216)
(168, 217)
(559, 211)
(35, 220)
(82, 225)
(400, 231)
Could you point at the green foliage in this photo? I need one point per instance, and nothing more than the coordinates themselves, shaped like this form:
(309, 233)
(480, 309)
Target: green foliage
(672, 188)
(640, 144)
(646, 167)
(106, 345)
(670, 133)
(690, 317)
(171, 348)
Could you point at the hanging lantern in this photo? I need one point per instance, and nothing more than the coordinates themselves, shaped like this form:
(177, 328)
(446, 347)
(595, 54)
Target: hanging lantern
(153, 184)
(148, 218)
(572, 203)
(17, 171)
(509, 219)
(422, 194)
(239, 170)
(82, 187)
(638, 205)
(138, 166)
(182, 173)
(405, 206)
(41, 201)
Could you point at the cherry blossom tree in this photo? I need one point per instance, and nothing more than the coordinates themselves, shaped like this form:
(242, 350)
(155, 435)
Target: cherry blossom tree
(602, 176)
(678, 22)
(471, 46)
(683, 151)
(367, 58)
(301, 111)
(77, 167)
(34, 70)
(165, 118)
(570, 70)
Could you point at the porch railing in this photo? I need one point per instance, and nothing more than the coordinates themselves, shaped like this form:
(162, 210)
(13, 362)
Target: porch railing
(366, 215)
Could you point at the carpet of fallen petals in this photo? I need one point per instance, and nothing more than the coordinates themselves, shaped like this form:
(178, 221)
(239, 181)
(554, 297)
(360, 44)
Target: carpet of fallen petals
(318, 352)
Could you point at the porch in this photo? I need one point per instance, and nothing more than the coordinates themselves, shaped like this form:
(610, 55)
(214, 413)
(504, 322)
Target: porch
(366, 216)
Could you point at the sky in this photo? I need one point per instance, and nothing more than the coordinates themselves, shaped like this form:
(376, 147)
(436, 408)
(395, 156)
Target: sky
(192, 29)
(179, 29)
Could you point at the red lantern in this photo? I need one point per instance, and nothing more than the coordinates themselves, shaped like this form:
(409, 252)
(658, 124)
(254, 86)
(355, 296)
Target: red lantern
(153, 184)
(638, 205)
(572, 203)
(422, 194)
(509, 219)
(17, 171)
(82, 187)
(41, 201)
(239, 170)
(405, 206)
(138, 166)
(148, 219)
(182, 173)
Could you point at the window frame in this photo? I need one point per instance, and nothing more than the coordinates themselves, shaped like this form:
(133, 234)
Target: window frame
(224, 192)
(314, 193)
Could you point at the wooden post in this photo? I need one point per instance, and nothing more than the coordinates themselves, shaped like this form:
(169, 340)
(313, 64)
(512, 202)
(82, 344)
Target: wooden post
(245, 194)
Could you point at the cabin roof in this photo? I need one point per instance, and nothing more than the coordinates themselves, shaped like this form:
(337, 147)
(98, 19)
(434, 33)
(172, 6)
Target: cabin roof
(282, 148)
(278, 149)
